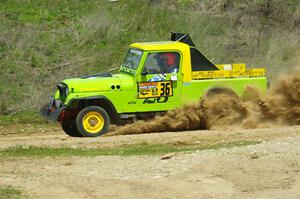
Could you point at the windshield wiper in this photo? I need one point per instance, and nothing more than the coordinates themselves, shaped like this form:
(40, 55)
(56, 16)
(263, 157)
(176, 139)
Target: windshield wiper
(112, 69)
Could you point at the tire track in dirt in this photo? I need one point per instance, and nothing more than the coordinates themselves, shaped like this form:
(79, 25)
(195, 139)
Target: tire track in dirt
(59, 139)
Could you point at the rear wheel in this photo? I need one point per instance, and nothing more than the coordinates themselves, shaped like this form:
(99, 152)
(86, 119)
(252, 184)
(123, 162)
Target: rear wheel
(70, 128)
(92, 121)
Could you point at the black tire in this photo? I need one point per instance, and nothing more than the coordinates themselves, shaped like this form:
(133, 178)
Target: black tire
(70, 129)
(90, 110)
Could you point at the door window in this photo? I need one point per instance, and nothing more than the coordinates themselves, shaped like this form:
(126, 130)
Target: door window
(162, 63)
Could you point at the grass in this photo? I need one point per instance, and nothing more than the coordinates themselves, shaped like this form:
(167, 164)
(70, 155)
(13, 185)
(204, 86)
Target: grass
(131, 150)
(53, 40)
(24, 117)
(9, 192)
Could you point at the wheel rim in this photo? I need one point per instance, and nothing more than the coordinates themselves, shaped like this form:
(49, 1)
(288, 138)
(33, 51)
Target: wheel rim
(93, 122)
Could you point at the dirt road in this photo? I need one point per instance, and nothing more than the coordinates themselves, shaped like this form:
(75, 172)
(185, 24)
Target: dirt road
(270, 169)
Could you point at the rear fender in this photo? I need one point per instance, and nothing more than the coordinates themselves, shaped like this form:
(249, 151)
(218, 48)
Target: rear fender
(219, 90)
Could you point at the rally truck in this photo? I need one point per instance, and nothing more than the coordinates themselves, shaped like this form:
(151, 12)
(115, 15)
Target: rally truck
(155, 77)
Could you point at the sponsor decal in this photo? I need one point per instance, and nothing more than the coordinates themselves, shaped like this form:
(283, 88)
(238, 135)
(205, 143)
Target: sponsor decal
(157, 78)
(155, 89)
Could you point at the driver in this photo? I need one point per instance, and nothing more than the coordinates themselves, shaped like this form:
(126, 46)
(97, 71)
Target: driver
(167, 62)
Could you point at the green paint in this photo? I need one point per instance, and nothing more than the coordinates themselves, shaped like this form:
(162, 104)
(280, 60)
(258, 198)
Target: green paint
(125, 99)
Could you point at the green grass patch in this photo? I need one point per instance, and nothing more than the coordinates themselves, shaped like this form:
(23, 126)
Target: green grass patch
(26, 117)
(9, 192)
(137, 149)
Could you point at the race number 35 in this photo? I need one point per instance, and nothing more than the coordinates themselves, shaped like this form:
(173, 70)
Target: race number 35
(165, 89)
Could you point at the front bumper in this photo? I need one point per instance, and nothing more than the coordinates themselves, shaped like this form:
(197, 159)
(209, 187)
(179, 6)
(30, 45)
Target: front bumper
(52, 110)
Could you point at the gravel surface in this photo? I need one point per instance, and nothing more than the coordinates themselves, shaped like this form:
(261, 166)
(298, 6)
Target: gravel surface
(267, 170)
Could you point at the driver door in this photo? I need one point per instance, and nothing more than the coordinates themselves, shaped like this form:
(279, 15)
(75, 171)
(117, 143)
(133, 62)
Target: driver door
(160, 82)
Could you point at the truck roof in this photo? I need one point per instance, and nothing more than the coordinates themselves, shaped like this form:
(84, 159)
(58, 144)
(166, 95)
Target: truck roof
(162, 45)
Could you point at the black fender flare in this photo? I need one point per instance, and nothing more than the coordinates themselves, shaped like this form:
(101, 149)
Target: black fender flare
(218, 90)
(101, 101)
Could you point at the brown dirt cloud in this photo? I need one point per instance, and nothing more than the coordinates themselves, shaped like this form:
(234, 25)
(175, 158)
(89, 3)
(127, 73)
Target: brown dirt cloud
(281, 106)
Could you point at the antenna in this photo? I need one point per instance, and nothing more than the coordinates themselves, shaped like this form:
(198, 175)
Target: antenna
(181, 38)
(165, 36)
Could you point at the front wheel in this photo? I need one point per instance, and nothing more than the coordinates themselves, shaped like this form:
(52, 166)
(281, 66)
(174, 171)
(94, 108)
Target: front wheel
(92, 121)
(70, 129)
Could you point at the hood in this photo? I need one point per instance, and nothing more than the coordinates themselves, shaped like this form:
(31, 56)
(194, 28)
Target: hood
(99, 83)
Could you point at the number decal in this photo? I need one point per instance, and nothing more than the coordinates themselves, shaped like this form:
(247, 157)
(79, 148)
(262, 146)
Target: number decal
(165, 89)
(153, 100)
(162, 93)
(168, 89)
(155, 89)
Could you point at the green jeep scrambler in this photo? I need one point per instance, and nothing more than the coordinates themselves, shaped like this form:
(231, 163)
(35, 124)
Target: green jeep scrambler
(154, 78)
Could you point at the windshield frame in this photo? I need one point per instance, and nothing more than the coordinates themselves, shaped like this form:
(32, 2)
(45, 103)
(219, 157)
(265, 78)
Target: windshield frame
(132, 70)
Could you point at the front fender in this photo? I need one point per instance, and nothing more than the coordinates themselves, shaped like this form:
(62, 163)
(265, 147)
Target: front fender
(98, 100)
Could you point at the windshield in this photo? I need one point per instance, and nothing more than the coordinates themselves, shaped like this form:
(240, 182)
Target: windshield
(132, 59)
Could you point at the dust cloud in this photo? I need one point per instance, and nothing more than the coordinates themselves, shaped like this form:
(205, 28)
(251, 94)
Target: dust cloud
(224, 111)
